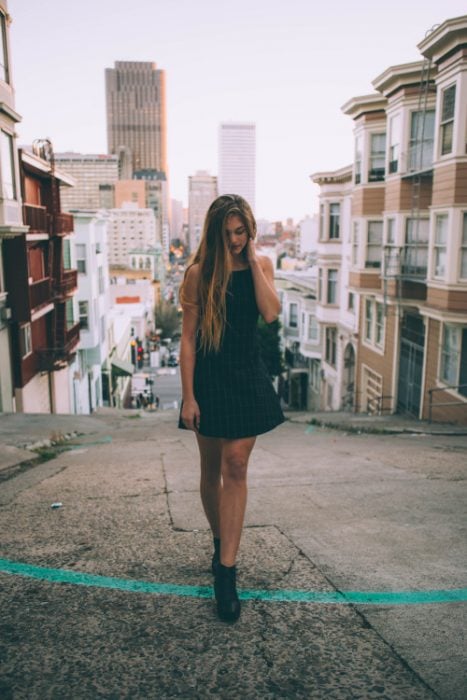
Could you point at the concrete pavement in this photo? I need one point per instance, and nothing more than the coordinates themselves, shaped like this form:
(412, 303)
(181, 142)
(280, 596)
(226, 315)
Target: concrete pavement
(328, 512)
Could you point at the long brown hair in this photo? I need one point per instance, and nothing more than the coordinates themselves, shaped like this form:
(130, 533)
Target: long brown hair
(214, 260)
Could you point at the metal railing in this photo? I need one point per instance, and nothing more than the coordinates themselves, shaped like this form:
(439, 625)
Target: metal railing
(432, 405)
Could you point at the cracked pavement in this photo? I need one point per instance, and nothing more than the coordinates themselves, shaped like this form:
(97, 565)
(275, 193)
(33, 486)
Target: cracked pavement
(327, 511)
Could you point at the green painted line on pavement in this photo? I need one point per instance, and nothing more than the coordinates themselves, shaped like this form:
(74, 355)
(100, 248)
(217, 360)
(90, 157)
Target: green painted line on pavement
(456, 595)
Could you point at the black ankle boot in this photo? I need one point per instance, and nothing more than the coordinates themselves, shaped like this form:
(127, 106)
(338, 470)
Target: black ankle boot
(216, 557)
(228, 604)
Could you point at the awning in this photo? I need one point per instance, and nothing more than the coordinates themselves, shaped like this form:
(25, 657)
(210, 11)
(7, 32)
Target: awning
(121, 368)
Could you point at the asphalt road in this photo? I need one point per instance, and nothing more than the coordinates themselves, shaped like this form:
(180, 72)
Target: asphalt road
(352, 566)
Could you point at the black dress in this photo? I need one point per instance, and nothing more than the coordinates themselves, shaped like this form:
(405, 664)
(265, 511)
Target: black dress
(232, 387)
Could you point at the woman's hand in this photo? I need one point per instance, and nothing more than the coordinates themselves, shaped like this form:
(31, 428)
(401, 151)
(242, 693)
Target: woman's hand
(191, 415)
(251, 251)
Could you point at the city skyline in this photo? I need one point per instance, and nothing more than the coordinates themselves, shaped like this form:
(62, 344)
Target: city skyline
(288, 69)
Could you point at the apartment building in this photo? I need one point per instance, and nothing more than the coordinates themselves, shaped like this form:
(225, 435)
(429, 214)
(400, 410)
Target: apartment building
(407, 233)
(300, 385)
(41, 283)
(11, 223)
(94, 176)
(336, 307)
(91, 255)
(129, 228)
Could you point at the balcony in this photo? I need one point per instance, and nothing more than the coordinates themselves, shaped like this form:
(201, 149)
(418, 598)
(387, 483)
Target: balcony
(67, 283)
(36, 218)
(59, 357)
(62, 224)
(40, 293)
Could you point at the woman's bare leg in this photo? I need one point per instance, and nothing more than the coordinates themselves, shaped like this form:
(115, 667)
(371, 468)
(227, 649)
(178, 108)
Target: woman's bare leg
(233, 495)
(210, 450)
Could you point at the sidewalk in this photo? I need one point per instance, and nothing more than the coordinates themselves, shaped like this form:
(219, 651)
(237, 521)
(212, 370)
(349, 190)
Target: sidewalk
(353, 547)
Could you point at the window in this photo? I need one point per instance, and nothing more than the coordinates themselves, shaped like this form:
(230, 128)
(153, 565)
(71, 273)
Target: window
(293, 315)
(390, 254)
(4, 71)
(334, 216)
(358, 160)
(81, 257)
(447, 119)
(66, 254)
(332, 287)
(377, 157)
(463, 255)
(321, 222)
(25, 340)
(375, 241)
(351, 302)
(100, 279)
(331, 346)
(70, 314)
(83, 315)
(422, 133)
(98, 248)
(320, 283)
(313, 329)
(102, 329)
(7, 166)
(368, 319)
(454, 357)
(379, 324)
(355, 232)
(441, 230)
(416, 247)
(394, 140)
(374, 323)
(315, 374)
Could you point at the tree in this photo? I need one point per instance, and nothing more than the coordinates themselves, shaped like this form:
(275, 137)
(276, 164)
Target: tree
(269, 343)
(167, 319)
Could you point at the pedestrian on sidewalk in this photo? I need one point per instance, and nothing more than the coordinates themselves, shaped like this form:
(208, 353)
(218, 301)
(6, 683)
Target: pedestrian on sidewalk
(228, 398)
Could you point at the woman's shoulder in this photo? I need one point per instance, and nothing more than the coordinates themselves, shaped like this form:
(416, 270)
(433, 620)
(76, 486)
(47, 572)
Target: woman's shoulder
(266, 263)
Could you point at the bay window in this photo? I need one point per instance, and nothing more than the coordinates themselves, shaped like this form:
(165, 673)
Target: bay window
(447, 119)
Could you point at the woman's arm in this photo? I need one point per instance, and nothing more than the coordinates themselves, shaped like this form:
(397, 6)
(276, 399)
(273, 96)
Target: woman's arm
(190, 410)
(262, 270)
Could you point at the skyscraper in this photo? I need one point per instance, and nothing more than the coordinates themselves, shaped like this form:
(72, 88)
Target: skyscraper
(136, 114)
(237, 160)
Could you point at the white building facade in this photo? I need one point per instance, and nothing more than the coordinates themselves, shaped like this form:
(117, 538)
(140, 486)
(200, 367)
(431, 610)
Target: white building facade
(130, 228)
(92, 297)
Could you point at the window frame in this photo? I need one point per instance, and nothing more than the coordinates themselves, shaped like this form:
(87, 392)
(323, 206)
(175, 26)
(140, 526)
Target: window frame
(331, 286)
(293, 316)
(80, 258)
(7, 150)
(440, 247)
(330, 350)
(313, 329)
(25, 340)
(83, 324)
(334, 221)
(4, 61)
(446, 124)
(463, 248)
(373, 264)
(375, 173)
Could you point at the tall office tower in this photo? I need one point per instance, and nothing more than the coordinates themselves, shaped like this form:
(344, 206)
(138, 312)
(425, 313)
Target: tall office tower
(136, 114)
(202, 190)
(237, 160)
(95, 176)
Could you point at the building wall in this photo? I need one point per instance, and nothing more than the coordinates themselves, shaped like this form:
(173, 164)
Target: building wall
(35, 397)
(94, 176)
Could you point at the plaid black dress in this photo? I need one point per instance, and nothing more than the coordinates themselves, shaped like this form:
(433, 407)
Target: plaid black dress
(232, 387)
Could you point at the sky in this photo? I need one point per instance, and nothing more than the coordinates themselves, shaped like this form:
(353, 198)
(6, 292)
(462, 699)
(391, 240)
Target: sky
(288, 66)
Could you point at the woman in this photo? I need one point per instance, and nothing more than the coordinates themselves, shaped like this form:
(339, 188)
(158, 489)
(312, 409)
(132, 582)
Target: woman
(228, 398)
